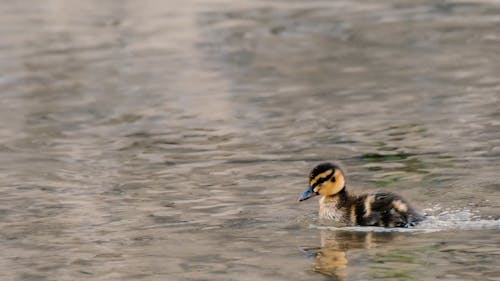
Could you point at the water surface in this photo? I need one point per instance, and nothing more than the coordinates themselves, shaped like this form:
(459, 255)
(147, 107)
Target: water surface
(152, 140)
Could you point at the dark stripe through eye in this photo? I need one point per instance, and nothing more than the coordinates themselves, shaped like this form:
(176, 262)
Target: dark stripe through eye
(322, 180)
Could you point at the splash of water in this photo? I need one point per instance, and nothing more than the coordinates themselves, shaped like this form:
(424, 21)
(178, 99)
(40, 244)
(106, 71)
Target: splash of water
(437, 219)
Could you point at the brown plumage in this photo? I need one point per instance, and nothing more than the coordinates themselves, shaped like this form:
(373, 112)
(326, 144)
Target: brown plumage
(373, 209)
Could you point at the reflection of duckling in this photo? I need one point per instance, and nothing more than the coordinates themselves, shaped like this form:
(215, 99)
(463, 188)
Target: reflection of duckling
(331, 262)
(331, 258)
(374, 209)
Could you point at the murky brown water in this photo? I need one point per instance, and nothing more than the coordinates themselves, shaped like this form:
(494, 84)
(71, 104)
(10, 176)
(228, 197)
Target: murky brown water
(160, 140)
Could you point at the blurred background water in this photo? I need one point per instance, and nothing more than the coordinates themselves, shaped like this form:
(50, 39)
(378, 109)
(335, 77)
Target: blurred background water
(157, 140)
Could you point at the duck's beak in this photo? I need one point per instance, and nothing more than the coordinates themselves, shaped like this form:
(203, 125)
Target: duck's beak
(307, 194)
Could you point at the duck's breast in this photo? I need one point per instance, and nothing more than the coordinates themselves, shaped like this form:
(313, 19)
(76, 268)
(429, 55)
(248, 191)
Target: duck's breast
(329, 210)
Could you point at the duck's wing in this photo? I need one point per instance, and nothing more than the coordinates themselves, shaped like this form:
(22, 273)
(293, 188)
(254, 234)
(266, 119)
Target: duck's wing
(388, 210)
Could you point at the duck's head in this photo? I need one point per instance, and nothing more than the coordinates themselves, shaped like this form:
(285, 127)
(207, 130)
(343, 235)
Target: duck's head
(326, 179)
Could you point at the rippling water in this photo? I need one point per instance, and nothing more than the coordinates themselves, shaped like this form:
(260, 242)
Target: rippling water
(164, 141)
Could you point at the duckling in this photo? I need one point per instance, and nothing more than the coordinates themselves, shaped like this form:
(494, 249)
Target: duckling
(372, 209)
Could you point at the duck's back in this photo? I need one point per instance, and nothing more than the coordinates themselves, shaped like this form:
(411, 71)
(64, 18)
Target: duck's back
(385, 209)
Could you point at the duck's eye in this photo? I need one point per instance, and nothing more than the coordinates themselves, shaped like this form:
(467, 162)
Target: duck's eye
(333, 179)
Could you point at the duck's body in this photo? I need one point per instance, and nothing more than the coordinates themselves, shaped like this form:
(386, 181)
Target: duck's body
(372, 209)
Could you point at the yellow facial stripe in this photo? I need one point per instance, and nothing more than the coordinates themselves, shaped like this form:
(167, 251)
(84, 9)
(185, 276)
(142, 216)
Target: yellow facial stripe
(329, 188)
(339, 181)
(320, 176)
(339, 177)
